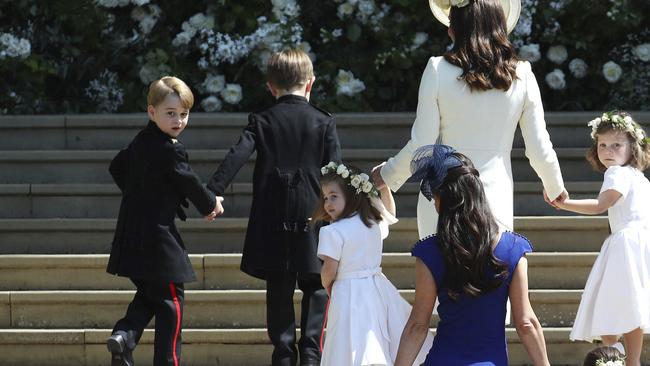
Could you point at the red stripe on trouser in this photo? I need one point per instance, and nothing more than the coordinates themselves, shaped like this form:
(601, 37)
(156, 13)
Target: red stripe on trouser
(177, 305)
(322, 332)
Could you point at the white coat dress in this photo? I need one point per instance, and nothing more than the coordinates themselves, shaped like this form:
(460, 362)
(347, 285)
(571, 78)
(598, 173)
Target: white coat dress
(481, 125)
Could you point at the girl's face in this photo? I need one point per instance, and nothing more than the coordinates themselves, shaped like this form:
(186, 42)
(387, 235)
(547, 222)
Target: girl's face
(334, 200)
(614, 148)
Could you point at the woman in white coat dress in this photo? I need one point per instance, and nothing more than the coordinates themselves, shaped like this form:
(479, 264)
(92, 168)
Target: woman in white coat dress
(473, 98)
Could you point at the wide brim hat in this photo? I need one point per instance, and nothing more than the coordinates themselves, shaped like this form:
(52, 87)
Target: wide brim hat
(511, 8)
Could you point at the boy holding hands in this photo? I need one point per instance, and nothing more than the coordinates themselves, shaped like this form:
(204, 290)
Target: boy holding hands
(293, 140)
(155, 178)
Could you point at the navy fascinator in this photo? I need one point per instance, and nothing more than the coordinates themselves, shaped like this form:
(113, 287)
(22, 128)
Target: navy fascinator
(430, 164)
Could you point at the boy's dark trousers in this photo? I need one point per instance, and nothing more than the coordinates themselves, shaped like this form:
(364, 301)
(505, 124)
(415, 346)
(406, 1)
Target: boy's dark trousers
(165, 302)
(281, 321)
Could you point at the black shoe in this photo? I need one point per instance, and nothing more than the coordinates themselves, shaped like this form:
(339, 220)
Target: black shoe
(120, 354)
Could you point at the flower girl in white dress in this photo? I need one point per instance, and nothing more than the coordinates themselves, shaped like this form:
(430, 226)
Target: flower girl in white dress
(616, 299)
(366, 313)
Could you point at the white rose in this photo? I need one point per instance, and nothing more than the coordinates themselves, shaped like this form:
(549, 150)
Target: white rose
(323, 170)
(530, 52)
(341, 169)
(347, 84)
(612, 72)
(331, 165)
(356, 181)
(555, 79)
(419, 39)
(211, 104)
(232, 94)
(214, 83)
(578, 68)
(557, 54)
(609, 363)
(140, 2)
(627, 120)
(345, 174)
(364, 177)
(642, 52)
(345, 9)
(367, 187)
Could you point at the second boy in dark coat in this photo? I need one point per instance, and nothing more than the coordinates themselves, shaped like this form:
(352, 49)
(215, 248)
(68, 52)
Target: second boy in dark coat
(293, 139)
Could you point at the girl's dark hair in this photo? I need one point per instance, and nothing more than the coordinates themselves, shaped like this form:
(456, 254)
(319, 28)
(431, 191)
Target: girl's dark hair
(354, 203)
(640, 151)
(603, 353)
(481, 46)
(467, 232)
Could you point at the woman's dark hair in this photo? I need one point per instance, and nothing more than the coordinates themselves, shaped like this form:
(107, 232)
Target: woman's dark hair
(354, 202)
(605, 354)
(481, 46)
(467, 232)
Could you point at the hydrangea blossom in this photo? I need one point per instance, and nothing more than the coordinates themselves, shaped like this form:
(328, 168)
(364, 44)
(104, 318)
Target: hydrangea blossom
(642, 52)
(105, 92)
(557, 54)
(530, 52)
(14, 47)
(232, 93)
(214, 83)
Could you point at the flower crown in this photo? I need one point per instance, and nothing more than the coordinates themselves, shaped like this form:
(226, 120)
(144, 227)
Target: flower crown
(619, 122)
(446, 4)
(610, 362)
(360, 182)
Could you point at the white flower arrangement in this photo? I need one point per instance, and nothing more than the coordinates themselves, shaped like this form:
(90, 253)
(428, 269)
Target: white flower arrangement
(211, 104)
(214, 83)
(347, 84)
(619, 122)
(232, 93)
(360, 182)
(612, 71)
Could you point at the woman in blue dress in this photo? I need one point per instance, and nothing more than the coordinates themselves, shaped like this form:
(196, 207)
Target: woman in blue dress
(471, 268)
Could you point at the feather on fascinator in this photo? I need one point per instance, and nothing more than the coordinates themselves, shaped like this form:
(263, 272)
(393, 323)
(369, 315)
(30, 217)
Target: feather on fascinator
(429, 166)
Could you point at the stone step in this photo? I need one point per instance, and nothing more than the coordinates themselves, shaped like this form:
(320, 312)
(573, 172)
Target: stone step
(221, 130)
(103, 200)
(91, 166)
(221, 272)
(225, 235)
(222, 347)
(206, 308)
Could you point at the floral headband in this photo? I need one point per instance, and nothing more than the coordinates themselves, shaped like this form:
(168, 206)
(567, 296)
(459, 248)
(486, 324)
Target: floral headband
(619, 122)
(616, 362)
(360, 182)
(446, 4)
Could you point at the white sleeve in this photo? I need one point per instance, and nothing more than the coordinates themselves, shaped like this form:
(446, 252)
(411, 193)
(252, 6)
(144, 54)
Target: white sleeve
(539, 149)
(617, 178)
(383, 229)
(330, 243)
(425, 130)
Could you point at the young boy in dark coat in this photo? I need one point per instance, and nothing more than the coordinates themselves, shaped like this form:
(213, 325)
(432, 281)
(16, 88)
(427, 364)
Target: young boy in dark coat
(293, 140)
(155, 178)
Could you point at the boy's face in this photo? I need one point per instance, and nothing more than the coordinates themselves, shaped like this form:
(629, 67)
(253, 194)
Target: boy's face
(170, 115)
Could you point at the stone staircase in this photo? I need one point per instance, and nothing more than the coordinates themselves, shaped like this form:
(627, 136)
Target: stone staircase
(57, 215)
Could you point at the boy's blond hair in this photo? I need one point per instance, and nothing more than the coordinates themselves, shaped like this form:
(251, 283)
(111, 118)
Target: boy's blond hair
(289, 69)
(161, 88)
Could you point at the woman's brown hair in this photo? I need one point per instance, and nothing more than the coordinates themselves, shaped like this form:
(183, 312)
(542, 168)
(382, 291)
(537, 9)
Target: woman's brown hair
(481, 46)
(354, 202)
(640, 158)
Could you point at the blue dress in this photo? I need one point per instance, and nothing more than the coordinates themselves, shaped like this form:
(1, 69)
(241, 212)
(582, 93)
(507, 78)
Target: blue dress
(471, 329)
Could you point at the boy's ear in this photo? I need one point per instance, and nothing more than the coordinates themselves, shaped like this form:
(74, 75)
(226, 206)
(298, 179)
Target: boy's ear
(151, 111)
(272, 89)
(310, 84)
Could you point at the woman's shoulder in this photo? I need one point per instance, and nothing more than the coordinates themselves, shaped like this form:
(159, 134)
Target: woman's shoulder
(426, 247)
(523, 68)
(512, 246)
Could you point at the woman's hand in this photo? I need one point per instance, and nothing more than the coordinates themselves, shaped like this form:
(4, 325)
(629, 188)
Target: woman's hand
(376, 176)
(559, 199)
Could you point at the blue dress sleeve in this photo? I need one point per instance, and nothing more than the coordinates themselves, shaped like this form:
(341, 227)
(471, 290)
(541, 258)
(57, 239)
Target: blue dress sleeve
(519, 246)
(428, 251)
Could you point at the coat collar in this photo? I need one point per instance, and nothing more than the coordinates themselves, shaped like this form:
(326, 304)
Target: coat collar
(292, 98)
(151, 126)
